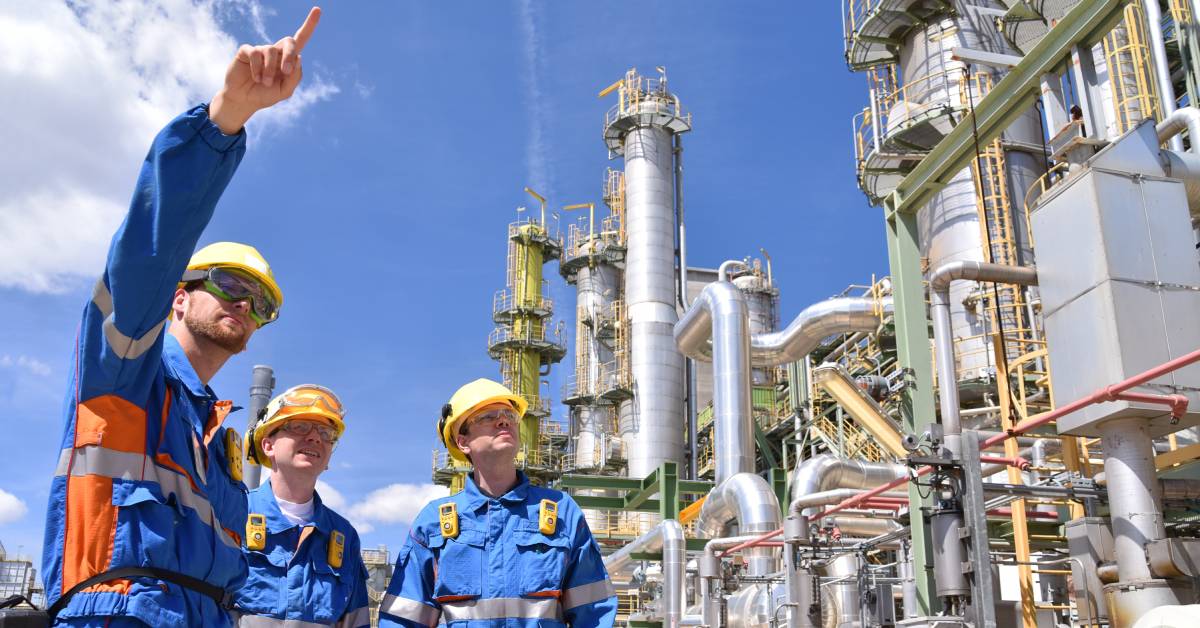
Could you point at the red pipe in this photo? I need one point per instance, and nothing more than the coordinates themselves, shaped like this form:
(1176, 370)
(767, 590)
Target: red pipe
(1032, 514)
(1015, 461)
(1114, 392)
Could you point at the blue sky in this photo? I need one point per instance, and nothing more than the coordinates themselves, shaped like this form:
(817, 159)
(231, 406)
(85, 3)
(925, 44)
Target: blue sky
(381, 196)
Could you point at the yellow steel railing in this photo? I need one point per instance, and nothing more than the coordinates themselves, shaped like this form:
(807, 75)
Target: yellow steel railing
(1127, 56)
(614, 197)
(639, 94)
(505, 301)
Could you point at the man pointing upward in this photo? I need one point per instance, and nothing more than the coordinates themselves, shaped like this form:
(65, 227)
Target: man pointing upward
(147, 507)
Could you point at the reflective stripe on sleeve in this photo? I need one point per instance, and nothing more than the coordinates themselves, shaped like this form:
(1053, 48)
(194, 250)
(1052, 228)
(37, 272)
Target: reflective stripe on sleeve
(355, 618)
(124, 346)
(121, 465)
(503, 608)
(588, 593)
(411, 610)
(262, 621)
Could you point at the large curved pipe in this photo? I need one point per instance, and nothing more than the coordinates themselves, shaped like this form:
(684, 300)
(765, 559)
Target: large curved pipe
(824, 472)
(1176, 122)
(667, 536)
(747, 499)
(815, 323)
(943, 339)
(1162, 71)
(720, 313)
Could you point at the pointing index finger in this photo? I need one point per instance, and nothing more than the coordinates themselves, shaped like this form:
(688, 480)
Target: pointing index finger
(306, 29)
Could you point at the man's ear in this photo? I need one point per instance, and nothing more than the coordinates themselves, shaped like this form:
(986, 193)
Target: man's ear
(463, 443)
(268, 446)
(179, 304)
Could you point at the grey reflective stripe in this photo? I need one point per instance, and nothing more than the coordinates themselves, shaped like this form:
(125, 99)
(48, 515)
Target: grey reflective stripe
(96, 460)
(411, 610)
(588, 593)
(124, 346)
(356, 618)
(122, 465)
(262, 621)
(503, 608)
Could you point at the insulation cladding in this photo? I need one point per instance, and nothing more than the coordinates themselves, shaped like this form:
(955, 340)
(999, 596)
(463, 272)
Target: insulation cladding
(641, 128)
(596, 287)
(950, 225)
(650, 298)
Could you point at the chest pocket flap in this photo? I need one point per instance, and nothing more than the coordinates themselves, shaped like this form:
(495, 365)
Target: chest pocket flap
(542, 560)
(459, 565)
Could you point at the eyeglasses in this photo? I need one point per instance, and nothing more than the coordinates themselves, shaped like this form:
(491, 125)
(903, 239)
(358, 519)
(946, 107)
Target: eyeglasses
(492, 417)
(234, 285)
(304, 428)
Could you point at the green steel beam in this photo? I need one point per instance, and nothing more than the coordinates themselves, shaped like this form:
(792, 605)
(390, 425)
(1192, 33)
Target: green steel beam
(600, 481)
(768, 452)
(696, 545)
(777, 478)
(1006, 101)
(917, 401)
(694, 487)
(613, 503)
(668, 496)
(655, 556)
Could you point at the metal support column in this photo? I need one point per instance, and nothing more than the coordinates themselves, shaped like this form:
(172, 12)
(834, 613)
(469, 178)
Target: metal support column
(917, 404)
(983, 600)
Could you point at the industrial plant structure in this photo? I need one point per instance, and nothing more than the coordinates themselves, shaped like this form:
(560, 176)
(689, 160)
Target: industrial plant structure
(1001, 432)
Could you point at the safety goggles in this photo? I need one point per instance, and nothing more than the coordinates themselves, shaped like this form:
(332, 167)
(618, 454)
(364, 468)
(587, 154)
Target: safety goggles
(234, 285)
(490, 417)
(304, 428)
(307, 396)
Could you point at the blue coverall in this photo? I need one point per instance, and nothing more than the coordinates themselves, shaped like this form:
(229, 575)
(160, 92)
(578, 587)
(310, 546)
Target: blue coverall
(142, 477)
(500, 570)
(291, 582)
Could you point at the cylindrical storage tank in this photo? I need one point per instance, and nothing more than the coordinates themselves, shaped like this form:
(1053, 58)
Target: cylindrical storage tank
(950, 227)
(752, 606)
(656, 364)
(840, 600)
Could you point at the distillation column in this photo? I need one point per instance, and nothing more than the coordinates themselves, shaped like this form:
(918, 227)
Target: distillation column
(640, 127)
(523, 341)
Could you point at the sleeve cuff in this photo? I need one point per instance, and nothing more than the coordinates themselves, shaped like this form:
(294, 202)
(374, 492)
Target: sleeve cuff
(197, 118)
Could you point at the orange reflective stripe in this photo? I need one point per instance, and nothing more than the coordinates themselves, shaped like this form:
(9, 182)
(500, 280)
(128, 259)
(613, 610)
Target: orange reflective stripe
(111, 421)
(163, 458)
(453, 598)
(554, 594)
(215, 419)
(89, 530)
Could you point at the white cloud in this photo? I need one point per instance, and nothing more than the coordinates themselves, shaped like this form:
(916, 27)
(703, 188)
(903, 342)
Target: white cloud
(330, 496)
(33, 365)
(540, 174)
(84, 88)
(11, 507)
(392, 504)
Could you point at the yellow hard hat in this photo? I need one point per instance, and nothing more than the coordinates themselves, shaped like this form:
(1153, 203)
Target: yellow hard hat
(465, 401)
(240, 256)
(306, 401)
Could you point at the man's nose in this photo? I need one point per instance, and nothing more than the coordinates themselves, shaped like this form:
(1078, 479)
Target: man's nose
(242, 305)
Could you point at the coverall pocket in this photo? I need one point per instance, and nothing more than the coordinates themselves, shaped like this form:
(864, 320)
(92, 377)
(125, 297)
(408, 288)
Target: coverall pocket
(145, 526)
(326, 593)
(459, 565)
(261, 594)
(542, 560)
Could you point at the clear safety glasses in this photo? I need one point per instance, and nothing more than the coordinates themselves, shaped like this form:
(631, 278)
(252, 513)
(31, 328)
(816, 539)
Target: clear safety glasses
(490, 417)
(303, 428)
(234, 285)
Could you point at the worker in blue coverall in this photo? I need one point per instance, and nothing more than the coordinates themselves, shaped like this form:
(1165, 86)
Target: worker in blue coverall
(305, 565)
(147, 507)
(501, 552)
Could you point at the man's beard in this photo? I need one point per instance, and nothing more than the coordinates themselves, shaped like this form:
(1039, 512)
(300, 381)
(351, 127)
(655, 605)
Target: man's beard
(230, 340)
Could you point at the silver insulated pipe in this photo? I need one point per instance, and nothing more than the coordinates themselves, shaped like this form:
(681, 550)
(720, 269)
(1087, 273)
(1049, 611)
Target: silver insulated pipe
(262, 384)
(748, 500)
(658, 408)
(720, 313)
(816, 323)
(667, 536)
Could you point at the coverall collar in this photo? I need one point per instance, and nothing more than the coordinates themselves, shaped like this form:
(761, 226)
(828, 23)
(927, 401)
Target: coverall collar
(181, 368)
(276, 522)
(516, 495)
